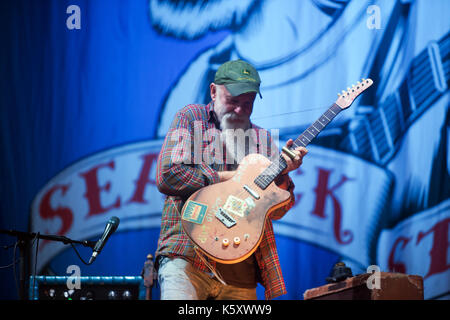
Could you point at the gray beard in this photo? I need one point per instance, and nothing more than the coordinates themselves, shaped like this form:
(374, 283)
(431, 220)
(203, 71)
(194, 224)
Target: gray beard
(228, 122)
(235, 150)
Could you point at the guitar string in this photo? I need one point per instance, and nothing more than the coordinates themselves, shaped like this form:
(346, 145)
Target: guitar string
(289, 113)
(253, 185)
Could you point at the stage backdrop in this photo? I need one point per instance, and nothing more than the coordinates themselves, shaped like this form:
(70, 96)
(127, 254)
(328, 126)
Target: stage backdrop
(89, 88)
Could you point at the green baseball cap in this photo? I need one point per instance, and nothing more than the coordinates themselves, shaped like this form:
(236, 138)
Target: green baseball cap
(238, 77)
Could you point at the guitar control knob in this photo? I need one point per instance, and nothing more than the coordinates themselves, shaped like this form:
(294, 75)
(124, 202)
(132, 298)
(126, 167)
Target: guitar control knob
(225, 242)
(237, 240)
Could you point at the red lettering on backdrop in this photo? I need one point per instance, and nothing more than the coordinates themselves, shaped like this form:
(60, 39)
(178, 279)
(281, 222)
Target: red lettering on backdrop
(47, 212)
(93, 190)
(144, 179)
(322, 192)
(439, 249)
(392, 264)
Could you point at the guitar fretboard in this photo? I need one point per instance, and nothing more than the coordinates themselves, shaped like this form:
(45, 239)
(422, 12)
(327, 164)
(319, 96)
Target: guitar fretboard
(277, 166)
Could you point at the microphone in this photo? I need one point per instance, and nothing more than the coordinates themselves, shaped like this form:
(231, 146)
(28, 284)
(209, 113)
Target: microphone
(110, 228)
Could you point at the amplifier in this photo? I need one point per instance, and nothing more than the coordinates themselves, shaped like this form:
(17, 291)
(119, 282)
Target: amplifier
(88, 288)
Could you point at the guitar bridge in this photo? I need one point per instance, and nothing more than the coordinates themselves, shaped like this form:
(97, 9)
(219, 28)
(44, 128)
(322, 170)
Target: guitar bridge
(225, 218)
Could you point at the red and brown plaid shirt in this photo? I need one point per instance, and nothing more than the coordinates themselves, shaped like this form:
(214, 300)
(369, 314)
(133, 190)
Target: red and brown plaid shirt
(178, 177)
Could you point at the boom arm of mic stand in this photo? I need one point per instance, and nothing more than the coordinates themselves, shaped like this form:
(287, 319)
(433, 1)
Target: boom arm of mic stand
(32, 235)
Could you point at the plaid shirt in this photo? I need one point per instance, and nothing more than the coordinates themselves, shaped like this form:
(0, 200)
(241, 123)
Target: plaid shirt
(178, 179)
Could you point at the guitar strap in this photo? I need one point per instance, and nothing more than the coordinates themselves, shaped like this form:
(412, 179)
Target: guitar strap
(210, 267)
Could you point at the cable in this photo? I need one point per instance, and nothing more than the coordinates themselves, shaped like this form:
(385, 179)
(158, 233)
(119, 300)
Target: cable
(10, 265)
(14, 268)
(7, 246)
(35, 263)
(76, 251)
(14, 261)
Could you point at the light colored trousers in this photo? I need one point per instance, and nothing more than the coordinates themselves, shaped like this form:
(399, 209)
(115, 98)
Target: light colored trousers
(179, 280)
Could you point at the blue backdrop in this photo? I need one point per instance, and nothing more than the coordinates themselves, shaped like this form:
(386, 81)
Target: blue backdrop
(88, 89)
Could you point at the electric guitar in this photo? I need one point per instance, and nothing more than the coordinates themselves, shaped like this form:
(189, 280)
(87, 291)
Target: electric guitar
(226, 220)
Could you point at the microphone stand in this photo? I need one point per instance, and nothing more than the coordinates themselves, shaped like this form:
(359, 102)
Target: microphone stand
(23, 239)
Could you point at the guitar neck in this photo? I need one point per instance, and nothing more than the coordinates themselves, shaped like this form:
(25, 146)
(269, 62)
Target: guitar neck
(271, 172)
(313, 130)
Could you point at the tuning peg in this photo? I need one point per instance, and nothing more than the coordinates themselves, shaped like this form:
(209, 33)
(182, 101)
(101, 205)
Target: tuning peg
(339, 95)
(343, 92)
(357, 82)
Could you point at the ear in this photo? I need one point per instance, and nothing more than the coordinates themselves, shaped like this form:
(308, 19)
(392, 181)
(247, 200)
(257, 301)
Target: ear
(213, 91)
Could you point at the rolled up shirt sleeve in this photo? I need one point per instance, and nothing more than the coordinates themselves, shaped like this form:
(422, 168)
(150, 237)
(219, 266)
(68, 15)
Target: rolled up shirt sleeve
(283, 181)
(280, 212)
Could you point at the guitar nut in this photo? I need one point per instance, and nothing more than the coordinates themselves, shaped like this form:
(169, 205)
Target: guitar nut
(237, 240)
(225, 242)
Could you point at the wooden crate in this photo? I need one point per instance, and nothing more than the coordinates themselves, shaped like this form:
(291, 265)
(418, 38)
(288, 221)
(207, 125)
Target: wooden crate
(393, 286)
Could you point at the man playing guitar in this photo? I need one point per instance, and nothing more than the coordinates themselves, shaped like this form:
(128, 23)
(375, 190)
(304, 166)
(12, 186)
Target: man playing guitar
(183, 271)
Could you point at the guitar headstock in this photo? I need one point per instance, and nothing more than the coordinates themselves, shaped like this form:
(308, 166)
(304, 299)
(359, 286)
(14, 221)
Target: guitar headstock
(346, 98)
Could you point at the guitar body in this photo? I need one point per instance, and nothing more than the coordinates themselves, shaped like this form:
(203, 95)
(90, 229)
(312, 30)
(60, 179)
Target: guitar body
(226, 220)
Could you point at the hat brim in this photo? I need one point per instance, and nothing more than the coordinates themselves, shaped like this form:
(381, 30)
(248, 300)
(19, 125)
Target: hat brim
(238, 88)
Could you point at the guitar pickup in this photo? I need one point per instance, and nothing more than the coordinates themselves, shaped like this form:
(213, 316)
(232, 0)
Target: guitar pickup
(252, 192)
(225, 218)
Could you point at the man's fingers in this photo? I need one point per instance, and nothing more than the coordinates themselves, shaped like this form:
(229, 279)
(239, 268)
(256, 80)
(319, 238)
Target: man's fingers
(296, 161)
(302, 150)
(286, 157)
